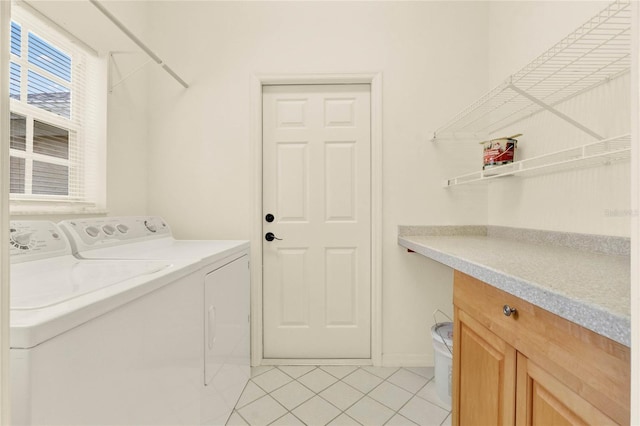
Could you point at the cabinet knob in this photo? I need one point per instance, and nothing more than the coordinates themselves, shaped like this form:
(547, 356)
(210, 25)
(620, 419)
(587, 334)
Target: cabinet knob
(508, 310)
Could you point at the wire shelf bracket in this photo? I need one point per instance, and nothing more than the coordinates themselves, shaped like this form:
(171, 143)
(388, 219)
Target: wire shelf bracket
(552, 110)
(112, 61)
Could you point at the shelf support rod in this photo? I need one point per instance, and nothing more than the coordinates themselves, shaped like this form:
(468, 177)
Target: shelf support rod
(138, 42)
(552, 110)
(123, 79)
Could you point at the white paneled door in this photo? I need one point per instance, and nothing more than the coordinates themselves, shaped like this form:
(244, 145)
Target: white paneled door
(317, 188)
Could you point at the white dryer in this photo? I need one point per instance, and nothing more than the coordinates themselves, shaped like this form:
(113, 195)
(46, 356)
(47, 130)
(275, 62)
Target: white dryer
(224, 273)
(100, 342)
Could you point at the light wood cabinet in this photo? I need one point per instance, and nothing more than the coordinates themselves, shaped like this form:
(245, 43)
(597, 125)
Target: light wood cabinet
(544, 400)
(488, 385)
(532, 367)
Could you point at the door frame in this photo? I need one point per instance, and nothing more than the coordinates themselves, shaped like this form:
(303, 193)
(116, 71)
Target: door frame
(257, 83)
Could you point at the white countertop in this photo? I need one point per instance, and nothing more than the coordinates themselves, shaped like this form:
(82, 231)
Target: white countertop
(588, 288)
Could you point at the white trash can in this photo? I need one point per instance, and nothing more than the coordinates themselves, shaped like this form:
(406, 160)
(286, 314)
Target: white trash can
(442, 334)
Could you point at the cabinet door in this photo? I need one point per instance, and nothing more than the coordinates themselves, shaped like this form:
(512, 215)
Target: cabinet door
(226, 322)
(484, 375)
(543, 400)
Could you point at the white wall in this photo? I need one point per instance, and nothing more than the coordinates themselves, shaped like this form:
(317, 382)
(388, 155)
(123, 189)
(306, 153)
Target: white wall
(128, 142)
(432, 56)
(127, 138)
(592, 200)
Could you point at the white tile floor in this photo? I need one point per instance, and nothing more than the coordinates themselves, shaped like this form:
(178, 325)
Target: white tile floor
(340, 395)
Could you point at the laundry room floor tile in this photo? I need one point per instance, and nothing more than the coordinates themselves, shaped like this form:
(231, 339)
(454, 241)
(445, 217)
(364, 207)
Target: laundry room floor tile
(296, 371)
(423, 412)
(428, 392)
(447, 421)
(408, 380)
(370, 412)
(343, 420)
(256, 371)
(362, 380)
(339, 371)
(399, 420)
(426, 372)
(288, 420)
(271, 380)
(251, 393)
(382, 372)
(317, 380)
(262, 411)
(340, 395)
(236, 420)
(292, 394)
(316, 411)
(390, 395)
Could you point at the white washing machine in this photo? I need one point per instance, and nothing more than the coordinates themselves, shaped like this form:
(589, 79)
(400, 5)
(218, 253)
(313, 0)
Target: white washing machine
(223, 267)
(100, 342)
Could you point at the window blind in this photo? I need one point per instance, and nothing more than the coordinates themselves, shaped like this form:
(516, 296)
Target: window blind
(56, 91)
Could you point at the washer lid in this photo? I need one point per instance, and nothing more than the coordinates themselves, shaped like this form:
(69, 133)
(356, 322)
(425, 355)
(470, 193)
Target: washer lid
(50, 311)
(40, 284)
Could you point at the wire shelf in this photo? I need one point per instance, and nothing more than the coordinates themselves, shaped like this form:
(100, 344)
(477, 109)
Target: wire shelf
(593, 154)
(593, 54)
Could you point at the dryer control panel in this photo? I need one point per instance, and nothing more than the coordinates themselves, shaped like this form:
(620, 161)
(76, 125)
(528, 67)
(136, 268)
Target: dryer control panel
(36, 239)
(93, 233)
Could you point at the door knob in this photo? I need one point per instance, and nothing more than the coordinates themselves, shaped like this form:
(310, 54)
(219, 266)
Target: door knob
(270, 237)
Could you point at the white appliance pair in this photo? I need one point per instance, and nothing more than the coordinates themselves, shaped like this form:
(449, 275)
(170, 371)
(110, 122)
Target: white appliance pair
(136, 328)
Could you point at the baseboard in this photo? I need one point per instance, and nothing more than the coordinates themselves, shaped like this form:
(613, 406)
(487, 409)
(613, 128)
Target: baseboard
(328, 361)
(388, 360)
(407, 360)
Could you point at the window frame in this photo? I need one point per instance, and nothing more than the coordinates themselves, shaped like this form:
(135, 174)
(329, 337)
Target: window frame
(90, 196)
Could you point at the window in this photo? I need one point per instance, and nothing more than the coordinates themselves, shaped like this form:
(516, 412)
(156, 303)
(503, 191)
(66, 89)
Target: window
(57, 106)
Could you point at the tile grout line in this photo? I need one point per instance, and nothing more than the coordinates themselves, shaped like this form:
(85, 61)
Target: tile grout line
(445, 419)
(366, 394)
(288, 412)
(413, 394)
(337, 380)
(266, 394)
(408, 400)
(310, 398)
(329, 402)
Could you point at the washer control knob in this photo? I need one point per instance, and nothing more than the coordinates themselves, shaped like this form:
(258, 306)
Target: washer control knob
(109, 229)
(92, 231)
(21, 238)
(150, 226)
(122, 228)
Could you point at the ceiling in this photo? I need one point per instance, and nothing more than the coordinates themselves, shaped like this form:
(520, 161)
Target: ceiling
(88, 24)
